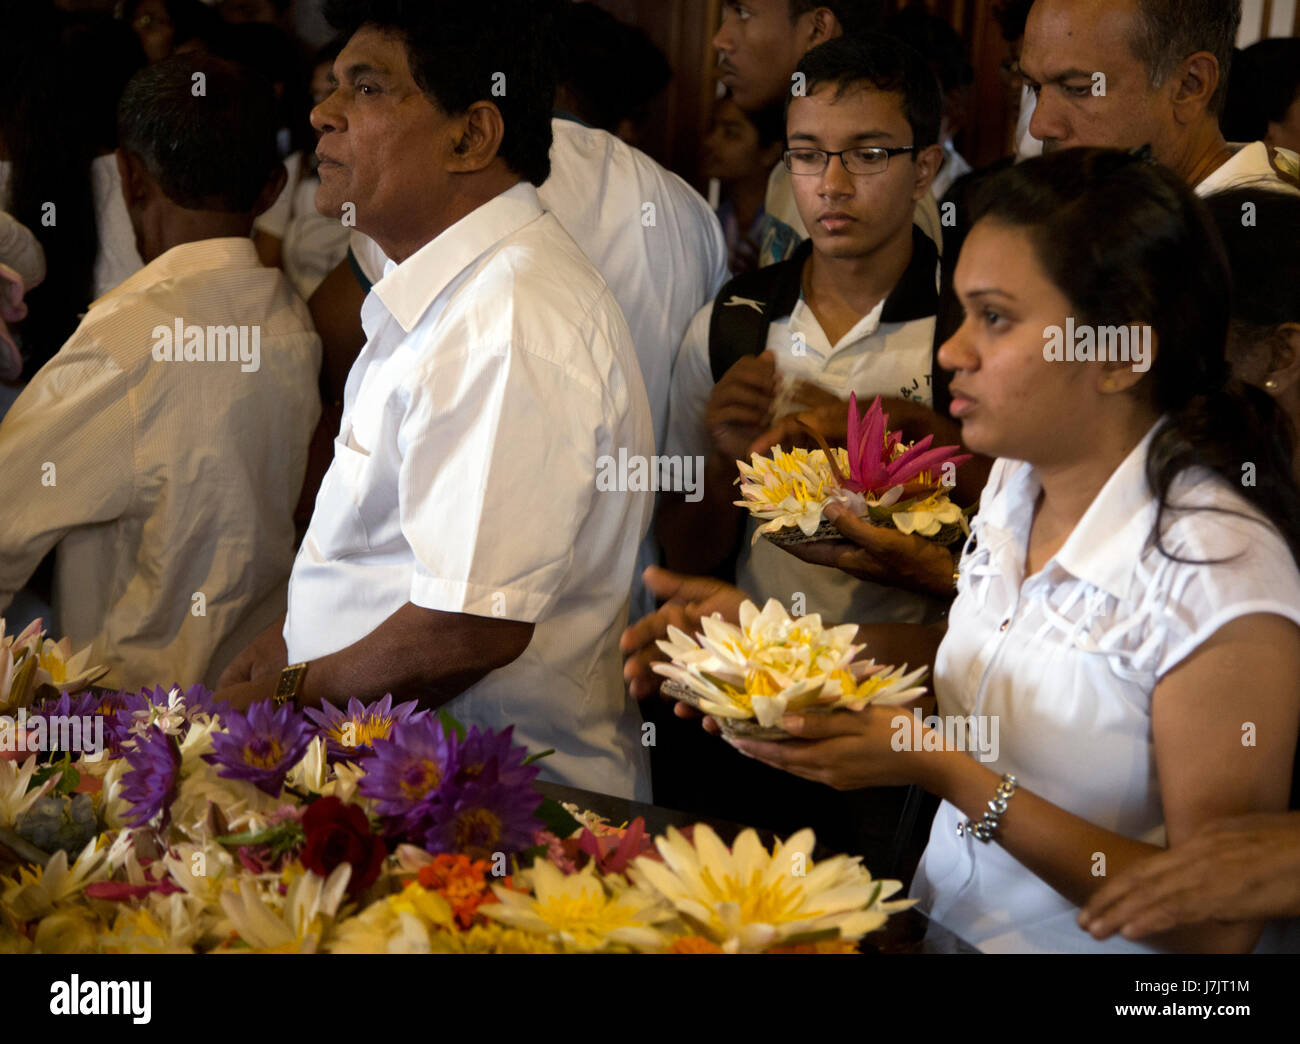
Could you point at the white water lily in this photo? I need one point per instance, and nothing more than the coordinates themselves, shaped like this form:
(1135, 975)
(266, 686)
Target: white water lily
(790, 489)
(578, 912)
(773, 664)
(169, 924)
(299, 924)
(312, 772)
(15, 798)
(747, 900)
(927, 517)
(36, 891)
(29, 660)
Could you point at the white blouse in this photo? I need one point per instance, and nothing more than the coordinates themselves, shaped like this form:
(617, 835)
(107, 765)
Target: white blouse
(1068, 659)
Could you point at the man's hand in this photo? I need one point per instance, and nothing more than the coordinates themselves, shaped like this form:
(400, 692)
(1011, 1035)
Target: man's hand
(1240, 869)
(265, 657)
(242, 696)
(830, 420)
(740, 407)
(688, 598)
(881, 555)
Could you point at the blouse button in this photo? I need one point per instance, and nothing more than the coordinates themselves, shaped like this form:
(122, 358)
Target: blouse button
(1005, 624)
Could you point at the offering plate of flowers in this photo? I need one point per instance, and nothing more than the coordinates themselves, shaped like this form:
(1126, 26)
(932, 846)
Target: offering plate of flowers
(878, 477)
(748, 677)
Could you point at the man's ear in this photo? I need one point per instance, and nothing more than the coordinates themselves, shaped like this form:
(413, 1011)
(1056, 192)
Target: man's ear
(1195, 82)
(133, 175)
(927, 162)
(477, 139)
(824, 26)
(271, 190)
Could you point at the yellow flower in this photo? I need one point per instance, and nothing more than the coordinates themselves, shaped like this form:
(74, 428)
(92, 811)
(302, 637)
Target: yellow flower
(577, 912)
(747, 900)
(790, 489)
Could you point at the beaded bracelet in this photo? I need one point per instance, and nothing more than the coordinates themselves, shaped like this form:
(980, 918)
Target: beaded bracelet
(984, 829)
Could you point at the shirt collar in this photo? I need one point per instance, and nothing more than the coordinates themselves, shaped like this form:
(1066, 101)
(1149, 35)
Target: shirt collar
(185, 259)
(1114, 531)
(916, 294)
(407, 290)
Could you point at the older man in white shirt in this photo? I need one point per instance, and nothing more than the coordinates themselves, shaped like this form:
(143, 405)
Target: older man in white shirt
(460, 550)
(162, 449)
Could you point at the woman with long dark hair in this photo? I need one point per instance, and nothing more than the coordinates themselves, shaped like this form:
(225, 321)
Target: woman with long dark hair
(1127, 625)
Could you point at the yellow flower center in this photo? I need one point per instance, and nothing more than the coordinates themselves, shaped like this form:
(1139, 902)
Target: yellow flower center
(759, 904)
(263, 752)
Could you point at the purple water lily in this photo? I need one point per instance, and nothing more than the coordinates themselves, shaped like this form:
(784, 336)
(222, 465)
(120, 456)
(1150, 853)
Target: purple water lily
(260, 746)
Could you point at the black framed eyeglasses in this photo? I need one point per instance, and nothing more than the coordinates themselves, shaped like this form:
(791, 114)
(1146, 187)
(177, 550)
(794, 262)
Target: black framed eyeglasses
(873, 160)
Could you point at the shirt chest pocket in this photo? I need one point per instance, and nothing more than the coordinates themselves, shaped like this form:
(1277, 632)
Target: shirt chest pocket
(352, 513)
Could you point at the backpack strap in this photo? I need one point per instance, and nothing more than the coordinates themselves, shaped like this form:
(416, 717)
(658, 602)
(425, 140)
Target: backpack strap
(748, 305)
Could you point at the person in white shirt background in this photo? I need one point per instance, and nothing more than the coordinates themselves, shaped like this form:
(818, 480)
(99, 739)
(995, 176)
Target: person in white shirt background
(460, 551)
(1126, 602)
(148, 465)
(1125, 73)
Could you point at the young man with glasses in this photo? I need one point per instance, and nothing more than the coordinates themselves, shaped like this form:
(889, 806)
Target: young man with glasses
(853, 310)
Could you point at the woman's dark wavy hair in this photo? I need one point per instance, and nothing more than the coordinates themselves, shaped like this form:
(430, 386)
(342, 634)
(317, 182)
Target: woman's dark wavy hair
(1126, 241)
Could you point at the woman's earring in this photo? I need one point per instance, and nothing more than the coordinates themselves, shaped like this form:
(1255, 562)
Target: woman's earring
(1270, 384)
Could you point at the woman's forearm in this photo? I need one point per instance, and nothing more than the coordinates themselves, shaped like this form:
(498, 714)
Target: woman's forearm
(1073, 856)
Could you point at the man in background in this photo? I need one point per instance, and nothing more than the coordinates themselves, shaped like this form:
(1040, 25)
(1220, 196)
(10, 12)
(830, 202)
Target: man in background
(162, 448)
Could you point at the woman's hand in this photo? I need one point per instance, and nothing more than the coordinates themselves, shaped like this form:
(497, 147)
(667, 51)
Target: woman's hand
(1238, 869)
(688, 598)
(848, 750)
(881, 555)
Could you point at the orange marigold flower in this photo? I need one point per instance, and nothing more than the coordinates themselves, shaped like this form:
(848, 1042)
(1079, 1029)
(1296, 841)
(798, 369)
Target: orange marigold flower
(462, 881)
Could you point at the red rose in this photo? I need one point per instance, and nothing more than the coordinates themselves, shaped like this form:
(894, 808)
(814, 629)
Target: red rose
(339, 833)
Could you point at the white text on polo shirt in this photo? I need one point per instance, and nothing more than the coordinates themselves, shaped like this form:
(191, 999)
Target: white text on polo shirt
(977, 733)
(639, 474)
(102, 998)
(1098, 344)
(190, 342)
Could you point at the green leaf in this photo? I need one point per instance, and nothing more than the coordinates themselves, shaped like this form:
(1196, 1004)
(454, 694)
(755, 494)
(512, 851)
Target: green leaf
(450, 724)
(538, 756)
(66, 785)
(529, 855)
(279, 838)
(556, 819)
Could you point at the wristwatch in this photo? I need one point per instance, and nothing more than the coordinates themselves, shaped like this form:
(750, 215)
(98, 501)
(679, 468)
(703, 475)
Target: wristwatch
(286, 688)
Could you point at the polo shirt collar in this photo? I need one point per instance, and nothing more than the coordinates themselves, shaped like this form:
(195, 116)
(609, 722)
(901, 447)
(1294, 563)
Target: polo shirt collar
(916, 294)
(407, 290)
(1115, 530)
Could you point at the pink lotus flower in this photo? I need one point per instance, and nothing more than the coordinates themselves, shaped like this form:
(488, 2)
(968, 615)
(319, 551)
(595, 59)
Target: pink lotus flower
(875, 464)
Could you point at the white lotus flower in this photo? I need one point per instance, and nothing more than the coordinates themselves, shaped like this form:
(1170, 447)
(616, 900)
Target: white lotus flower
(300, 922)
(790, 489)
(747, 900)
(36, 890)
(30, 660)
(772, 664)
(15, 799)
(578, 912)
(312, 772)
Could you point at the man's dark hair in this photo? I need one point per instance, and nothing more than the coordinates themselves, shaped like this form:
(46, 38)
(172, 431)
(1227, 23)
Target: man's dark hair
(1168, 31)
(938, 41)
(613, 70)
(208, 150)
(458, 52)
(1011, 16)
(1265, 83)
(885, 64)
(855, 16)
